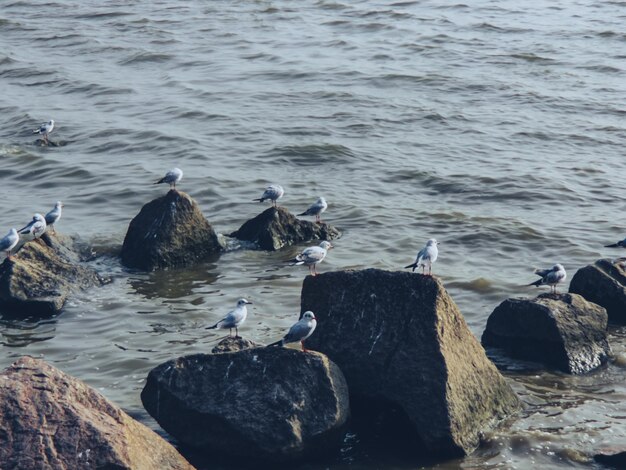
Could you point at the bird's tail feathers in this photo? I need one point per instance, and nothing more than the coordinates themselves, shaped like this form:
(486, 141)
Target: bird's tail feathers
(304, 213)
(212, 327)
(258, 200)
(414, 265)
(160, 181)
(614, 245)
(537, 283)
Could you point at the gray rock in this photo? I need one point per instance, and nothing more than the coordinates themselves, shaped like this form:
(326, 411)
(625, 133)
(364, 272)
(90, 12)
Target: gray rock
(39, 278)
(604, 283)
(276, 227)
(232, 344)
(169, 232)
(408, 354)
(50, 420)
(561, 330)
(267, 404)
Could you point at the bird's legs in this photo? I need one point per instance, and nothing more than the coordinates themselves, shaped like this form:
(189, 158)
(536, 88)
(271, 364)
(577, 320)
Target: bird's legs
(230, 332)
(237, 333)
(303, 348)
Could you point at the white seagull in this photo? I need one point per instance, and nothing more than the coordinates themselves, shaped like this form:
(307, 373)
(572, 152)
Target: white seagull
(312, 256)
(234, 318)
(45, 129)
(621, 243)
(35, 229)
(273, 192)
(300, 331)
(54, 216)
(8, 242)
(316, 209)
(426, 256)
(552, 276)
(171, 177)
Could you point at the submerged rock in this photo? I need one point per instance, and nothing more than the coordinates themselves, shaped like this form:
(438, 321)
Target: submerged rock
(408, 356)
(561, 330)
(276, 227)
(38, 279)
(604, 283)
(169, 232)
(265, 404)
(49, 419)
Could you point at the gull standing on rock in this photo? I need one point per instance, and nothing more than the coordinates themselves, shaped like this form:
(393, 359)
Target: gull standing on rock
(300, 331)
(552, 276)
(171, 177)
(426, 256)
(35, 229)
(234, 318)
(45, 129)
(8, 242)
(316, 209)
(273, 192)
(312, 256)
(54, 216)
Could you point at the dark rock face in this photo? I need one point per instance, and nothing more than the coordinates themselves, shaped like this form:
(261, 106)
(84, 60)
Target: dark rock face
(612, 457)
(169, 232)
(232, 344)
(270, 404)
(51, 420)
(404, 347)
(604, 283)
(276, 227)
(38, 279)
(561, 330)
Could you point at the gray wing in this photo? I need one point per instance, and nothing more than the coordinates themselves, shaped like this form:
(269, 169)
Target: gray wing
(297, 332)
(5, 243)
(420, 255)
(27, 228)
(543, 272)
(314, 254)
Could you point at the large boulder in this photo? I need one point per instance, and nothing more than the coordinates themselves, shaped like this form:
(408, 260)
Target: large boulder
(49, 419)
(276, 227)
(408, 356)
(561, 330)
(264, 404)
(604, 283)
(170, 231)
(39, 278)
(612, 457)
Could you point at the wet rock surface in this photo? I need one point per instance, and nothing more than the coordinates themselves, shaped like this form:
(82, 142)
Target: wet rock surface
(169, 231)
(408, 356)
(40, 277)
(267, 404)
(563, 331)
(49, 419)
(604, 283)
(276, 227)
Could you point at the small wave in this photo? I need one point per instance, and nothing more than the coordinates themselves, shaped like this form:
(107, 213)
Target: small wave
(142, 57)
(100, 16)
(530, 57)
(311, 154)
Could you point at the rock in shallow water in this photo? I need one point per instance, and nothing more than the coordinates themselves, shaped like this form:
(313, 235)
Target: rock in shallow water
(170, 231)
(604, 283)
(407, 352)
(276, 227)
(561, 330)
(269, 404)
(49, 419)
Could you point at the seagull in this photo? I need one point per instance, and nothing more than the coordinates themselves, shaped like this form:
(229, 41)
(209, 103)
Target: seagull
(312, 256)
(621, 243)
(551, 276)
(54, 216)
(426, 256)
(171, 177)
(299, 331)
(8, 242)
(316, 209)
(35, 228)
(45, 129)
(273, 192)
(234, 318)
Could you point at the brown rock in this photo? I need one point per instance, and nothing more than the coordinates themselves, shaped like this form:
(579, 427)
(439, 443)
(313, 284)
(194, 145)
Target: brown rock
(232, 344)
(407, 355)
(51, 420)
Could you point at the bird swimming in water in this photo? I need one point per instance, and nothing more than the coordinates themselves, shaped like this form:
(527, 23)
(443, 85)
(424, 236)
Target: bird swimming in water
(426, 257)
(54, 216)
(299, 331)
(551, 277)
(273, 192)
(9, 241)
(234, 318)
(312, 256)
(171, 177)
(35, 229)
(45, 129)
(316, 209)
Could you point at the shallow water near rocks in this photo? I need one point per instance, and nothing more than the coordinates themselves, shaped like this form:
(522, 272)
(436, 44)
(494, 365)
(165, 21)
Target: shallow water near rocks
(495, 127)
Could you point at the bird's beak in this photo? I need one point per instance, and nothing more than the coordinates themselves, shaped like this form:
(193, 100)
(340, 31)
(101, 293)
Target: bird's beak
(331, 246)
(249, 303)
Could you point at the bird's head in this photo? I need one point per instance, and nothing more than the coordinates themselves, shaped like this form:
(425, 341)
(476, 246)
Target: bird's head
(242, 302)
(309, 315)
(432, 242)
(39, 217)
(58, 205)
(326, 245)
(558, 267)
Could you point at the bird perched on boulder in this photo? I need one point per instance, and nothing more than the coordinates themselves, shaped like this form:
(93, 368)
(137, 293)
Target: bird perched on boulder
(8, 242)
(234, 318)
(171, 177)
(316, 209)
(551, 277)
(273, 192)
(312, 256)
(426, 257)
(621, 243)
(54, 216)
(300, 331)
(44, 130)
(35, 229)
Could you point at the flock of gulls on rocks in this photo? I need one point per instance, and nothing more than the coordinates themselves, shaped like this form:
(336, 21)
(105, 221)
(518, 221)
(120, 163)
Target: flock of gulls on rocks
(310, 257)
